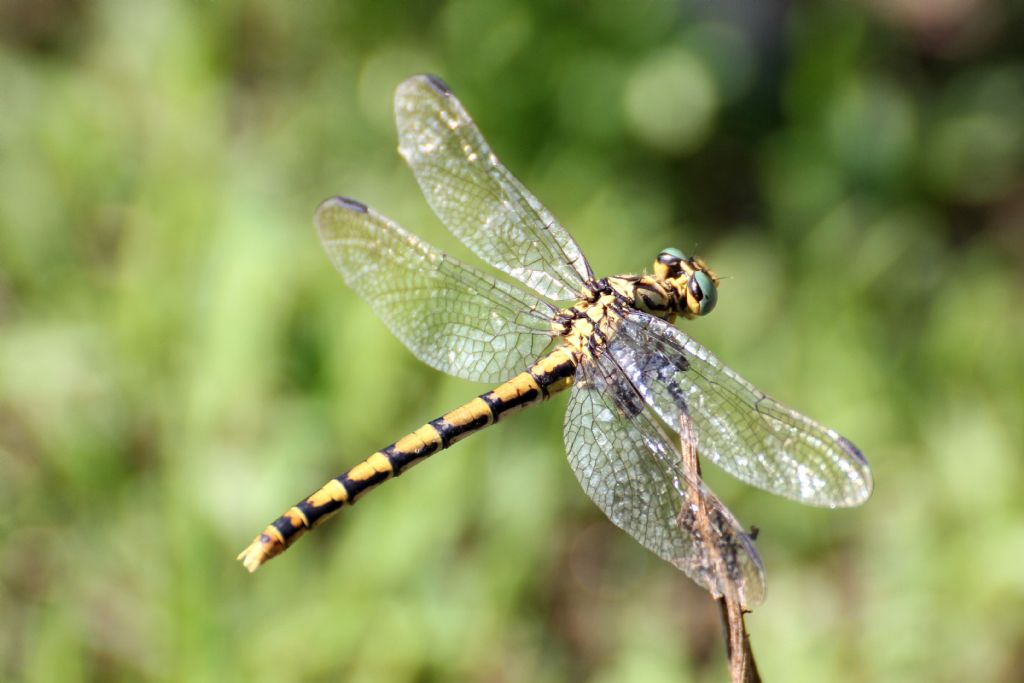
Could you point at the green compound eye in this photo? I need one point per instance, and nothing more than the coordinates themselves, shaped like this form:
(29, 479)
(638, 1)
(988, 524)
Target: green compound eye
(704, 290)
(674, 253)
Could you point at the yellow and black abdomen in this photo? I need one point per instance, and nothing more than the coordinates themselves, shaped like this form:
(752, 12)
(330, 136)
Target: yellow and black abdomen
(548, 376)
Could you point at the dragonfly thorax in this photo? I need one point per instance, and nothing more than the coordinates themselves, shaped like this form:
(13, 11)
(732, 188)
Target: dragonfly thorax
(648, 294)
(592, 321)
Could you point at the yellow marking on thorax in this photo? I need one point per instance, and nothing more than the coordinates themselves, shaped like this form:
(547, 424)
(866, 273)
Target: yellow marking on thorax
(600, 308)
(595, 327)
(584, 327)
(625, 287)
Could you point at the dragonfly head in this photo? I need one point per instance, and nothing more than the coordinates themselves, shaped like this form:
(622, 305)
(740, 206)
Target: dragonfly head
(695, 284)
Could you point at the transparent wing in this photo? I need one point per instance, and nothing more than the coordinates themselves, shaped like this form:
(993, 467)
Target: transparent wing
(477, 198)
(632, 469)
(748, 434)
(451, 316)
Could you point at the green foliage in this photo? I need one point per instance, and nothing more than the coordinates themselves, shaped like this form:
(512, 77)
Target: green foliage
(178, 361)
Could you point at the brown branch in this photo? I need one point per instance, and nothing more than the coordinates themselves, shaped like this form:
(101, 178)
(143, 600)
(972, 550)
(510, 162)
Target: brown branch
(742, 667)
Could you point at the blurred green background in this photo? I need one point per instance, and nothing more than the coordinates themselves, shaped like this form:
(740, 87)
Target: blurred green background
(179, 362)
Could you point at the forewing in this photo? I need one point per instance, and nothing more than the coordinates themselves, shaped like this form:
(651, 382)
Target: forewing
(753, 437)
(477, 198)
(632, 469)
(451, 316)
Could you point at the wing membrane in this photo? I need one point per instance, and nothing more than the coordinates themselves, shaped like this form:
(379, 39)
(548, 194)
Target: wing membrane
(477, 198)
(451, 316)
(748, 434)
(632, 470)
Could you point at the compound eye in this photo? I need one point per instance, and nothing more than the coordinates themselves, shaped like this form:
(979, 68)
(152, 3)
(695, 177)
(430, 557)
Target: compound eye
(703, 291)
(671, 255)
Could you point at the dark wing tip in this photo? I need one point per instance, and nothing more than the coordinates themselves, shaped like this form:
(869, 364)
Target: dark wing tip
(867, 484)
(331, 211)
(848, 446)
(439, 86)
(345, 203)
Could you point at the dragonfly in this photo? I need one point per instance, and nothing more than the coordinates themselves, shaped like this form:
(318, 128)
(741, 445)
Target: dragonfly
(551, 326)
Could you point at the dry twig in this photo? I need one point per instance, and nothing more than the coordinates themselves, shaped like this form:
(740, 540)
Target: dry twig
(742, 667)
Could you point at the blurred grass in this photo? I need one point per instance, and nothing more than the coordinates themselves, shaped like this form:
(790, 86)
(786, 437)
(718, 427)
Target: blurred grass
(178, 362)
